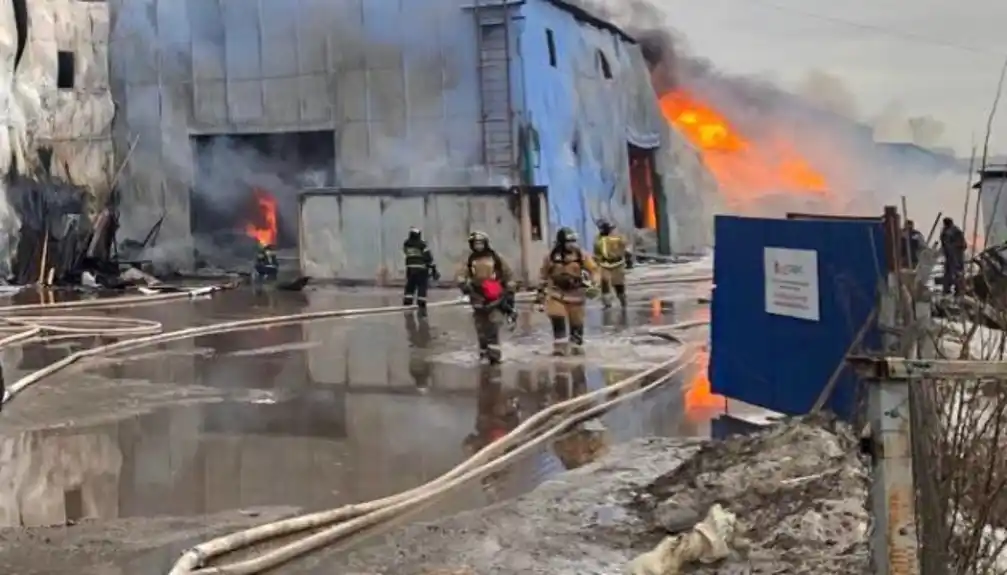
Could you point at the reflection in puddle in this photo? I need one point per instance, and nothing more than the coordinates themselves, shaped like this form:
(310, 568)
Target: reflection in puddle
(184, 460)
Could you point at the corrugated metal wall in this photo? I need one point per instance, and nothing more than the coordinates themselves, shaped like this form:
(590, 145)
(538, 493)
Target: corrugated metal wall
(357, 235)
(779, 362)
(581, 122)
(399, 87)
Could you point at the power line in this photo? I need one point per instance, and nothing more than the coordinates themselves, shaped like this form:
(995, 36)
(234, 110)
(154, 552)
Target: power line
(885, 30)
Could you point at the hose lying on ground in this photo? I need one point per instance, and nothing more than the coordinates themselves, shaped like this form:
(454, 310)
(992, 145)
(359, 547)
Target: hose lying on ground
(48, 328)
(212, 329)
(187, 333)
(525, 437)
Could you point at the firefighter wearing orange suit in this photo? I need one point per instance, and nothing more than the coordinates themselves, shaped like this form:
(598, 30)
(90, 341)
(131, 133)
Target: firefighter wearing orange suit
(487, 280)
(567, 280)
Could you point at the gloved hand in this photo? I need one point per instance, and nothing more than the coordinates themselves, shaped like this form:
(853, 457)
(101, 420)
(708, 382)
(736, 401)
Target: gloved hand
(630, 262)
(540, 300)
(435, 275)
(592, 292)
(465, 288)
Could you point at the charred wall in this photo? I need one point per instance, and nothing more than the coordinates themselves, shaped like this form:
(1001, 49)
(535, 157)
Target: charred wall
(395, 84)
(588, 97)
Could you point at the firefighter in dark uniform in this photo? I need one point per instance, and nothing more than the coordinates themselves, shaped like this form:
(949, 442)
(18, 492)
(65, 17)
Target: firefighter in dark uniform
(614, 258)
(267, 265)
(420, 269)
(567, 279)
(488, 282)
(953, 247)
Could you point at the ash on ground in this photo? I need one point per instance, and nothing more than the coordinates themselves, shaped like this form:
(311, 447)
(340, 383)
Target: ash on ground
(799, 489)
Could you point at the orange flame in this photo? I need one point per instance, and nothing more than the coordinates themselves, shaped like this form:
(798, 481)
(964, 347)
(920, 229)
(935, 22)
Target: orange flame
(698, 396)
(744, 169)
(263, 228)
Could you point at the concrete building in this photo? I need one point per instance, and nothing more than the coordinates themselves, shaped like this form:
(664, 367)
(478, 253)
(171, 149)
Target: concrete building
(515, 117)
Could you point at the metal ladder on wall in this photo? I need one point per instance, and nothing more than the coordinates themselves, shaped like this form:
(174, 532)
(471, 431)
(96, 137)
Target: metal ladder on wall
(493, 45)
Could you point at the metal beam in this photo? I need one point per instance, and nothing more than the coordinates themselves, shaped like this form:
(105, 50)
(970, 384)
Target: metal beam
(903, 368)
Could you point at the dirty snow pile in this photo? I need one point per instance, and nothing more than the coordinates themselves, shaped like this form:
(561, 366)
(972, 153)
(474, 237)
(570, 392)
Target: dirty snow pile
(796, 495)
(798, 490)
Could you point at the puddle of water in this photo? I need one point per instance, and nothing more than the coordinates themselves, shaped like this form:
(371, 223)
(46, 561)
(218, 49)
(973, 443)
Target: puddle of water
(326, 447)
(340, 412)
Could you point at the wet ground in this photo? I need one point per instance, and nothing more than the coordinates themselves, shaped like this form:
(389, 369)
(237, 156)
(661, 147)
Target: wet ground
(310, 415)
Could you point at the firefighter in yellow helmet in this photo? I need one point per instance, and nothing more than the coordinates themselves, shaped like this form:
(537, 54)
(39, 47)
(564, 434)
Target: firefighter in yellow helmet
(567, 279)
(488, 282)
(614, 258)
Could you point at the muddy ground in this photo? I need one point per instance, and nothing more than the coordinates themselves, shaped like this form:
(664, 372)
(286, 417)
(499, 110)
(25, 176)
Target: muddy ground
(145, 454)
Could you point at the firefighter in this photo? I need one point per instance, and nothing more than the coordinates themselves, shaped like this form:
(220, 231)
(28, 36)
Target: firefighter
(953, 247)
(420, 269)
(567, 279)
(614, 258)
(267, 265)
(487, 280)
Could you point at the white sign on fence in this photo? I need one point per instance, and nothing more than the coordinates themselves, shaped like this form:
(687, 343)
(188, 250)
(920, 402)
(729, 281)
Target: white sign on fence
(792, 283)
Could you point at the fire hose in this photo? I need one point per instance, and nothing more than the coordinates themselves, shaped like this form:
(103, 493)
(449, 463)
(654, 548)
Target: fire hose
(345, 521)
(39, 325)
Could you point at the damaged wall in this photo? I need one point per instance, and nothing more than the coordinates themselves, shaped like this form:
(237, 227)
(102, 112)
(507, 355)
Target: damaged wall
(55, 95)
(66, 62)
(397, 85)
(589, 95)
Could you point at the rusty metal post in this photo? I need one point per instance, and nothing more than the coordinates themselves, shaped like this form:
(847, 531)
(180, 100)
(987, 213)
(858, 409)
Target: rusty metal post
(894, 544)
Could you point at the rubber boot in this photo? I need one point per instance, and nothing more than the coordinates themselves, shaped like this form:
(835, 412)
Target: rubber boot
(577, 340)
(559, 345)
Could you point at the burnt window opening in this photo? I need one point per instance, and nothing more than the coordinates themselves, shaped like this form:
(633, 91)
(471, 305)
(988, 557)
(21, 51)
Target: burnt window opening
(551, 42)
(65, 70)
(606, 69)
(535, 201)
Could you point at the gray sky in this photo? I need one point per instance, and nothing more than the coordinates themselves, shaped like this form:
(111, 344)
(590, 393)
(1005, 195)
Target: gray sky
(929, 57)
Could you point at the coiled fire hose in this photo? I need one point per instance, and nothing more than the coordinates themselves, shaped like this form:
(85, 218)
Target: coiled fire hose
(52, 327)
(347, 520)
(49, 328)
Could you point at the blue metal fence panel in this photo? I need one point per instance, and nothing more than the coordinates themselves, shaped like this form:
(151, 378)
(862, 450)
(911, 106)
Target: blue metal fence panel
(781, 362)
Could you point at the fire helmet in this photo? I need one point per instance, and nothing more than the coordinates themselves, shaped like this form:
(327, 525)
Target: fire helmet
(566, 236)
(478, 237)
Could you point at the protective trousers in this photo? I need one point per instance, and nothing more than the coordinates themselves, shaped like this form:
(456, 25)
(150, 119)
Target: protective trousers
(562, 315)
(417, 282)
(613, 279)
(952, 280)
(487, 323)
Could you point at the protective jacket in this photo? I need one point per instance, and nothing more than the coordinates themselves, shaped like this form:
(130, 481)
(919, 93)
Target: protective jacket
(480, 267)
(418, 256)
(610, 251)
(566, 274)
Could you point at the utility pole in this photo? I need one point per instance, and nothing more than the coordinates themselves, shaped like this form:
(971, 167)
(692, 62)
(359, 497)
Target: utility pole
(894, 546)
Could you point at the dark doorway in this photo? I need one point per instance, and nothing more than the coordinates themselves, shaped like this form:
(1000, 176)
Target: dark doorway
(649, 208)
(246, 188)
